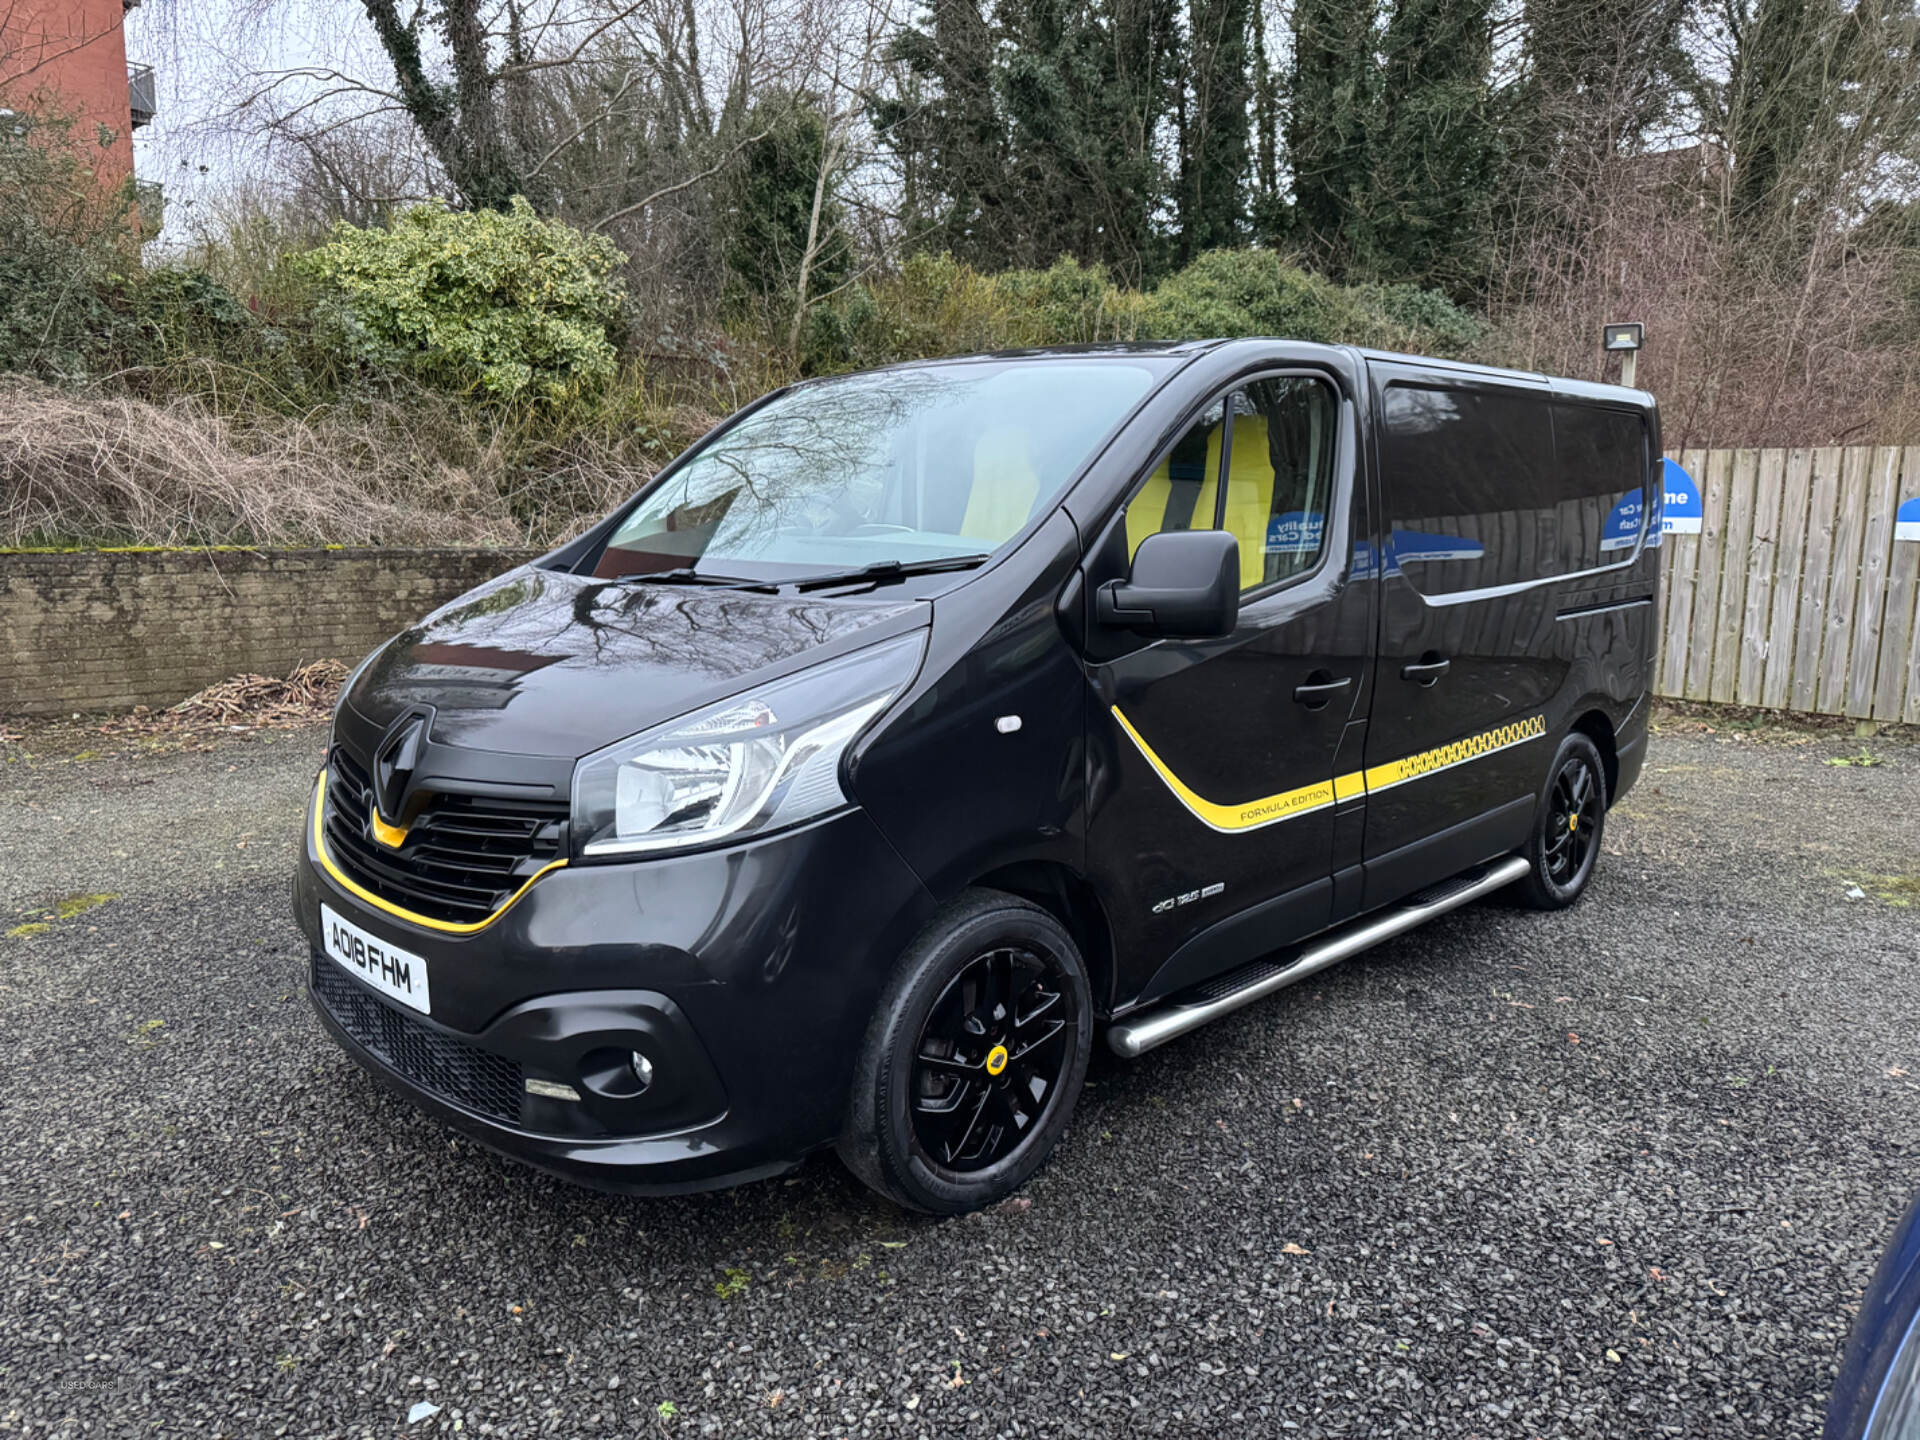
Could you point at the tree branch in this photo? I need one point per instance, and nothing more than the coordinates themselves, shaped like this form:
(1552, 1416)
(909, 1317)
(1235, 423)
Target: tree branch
(675, 188)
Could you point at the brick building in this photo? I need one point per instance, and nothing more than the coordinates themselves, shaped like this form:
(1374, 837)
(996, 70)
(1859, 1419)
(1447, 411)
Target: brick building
(69, 57)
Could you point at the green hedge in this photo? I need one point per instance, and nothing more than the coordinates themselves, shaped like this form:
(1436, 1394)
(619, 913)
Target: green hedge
(937, 306)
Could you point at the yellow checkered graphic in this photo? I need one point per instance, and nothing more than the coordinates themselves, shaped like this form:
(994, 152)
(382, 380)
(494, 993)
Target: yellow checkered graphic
(1253, 814)
(1398, 772)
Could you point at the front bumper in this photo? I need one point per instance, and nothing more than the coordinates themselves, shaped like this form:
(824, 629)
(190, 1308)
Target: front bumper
(746, 975)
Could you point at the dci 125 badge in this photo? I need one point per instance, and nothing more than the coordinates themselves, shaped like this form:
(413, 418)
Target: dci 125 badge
(1187, 897)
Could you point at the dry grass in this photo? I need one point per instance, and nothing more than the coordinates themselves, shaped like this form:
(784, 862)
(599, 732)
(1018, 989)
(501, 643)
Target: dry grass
(108, 468)
(101, 467)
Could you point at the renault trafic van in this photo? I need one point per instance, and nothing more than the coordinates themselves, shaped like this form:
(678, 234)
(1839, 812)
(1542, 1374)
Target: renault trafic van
(916, 727)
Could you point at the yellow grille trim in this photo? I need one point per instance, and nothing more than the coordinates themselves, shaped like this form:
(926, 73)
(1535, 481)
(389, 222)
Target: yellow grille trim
(1318, 796)
(399, 912)
(391, 836)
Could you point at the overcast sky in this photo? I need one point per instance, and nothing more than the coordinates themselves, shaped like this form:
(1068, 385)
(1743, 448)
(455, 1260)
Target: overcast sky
(208, 57)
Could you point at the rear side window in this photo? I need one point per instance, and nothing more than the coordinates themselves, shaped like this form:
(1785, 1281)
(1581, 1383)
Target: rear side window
(1601, 465)
(1488, 487)
(1466, 474)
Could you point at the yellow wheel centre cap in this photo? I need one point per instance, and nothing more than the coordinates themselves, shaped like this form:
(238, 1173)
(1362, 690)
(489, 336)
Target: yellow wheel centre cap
(1573, 822)
(996, 1059)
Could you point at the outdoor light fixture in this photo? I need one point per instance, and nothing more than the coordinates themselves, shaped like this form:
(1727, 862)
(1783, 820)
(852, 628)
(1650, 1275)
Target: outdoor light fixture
(1627, 339)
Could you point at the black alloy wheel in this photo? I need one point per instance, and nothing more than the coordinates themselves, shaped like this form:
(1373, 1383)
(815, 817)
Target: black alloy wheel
(974, 1058)
(992, 1056)
(1571, 820)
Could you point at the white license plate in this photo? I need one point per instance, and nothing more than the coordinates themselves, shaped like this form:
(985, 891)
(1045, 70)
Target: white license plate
(389, 969)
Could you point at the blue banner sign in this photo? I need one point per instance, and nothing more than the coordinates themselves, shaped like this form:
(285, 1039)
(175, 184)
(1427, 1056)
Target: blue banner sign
(1681, 512)
(1906, 520)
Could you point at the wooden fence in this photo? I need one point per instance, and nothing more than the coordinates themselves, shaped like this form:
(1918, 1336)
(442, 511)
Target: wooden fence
(1796, 595)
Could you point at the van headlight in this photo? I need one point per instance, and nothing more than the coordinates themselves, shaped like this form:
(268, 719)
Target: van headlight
(758, 762)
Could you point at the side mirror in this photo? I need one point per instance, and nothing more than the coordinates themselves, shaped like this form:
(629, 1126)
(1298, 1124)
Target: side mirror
(1185, 585)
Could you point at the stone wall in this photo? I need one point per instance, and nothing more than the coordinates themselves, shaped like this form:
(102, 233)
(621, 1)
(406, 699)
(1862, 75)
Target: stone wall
(110, 629)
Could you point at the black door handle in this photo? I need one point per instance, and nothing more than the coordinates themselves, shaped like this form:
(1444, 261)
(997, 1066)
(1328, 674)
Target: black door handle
(1320, 687)
(1427, 670)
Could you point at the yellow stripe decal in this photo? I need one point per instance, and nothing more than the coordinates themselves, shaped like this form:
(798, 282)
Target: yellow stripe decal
(1308, 798)
(1248, 816)
(360, 892)
(1474, 747)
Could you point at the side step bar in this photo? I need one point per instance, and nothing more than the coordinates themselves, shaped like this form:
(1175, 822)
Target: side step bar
(1138, 1034)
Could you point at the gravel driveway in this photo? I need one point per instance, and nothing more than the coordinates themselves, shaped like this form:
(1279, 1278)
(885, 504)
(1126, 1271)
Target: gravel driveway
(1617, 1172)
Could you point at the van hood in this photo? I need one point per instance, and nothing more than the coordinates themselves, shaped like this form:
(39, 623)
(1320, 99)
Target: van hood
(539, 662)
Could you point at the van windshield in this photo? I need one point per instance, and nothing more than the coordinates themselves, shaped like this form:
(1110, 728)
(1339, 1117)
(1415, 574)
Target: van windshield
(901, 466)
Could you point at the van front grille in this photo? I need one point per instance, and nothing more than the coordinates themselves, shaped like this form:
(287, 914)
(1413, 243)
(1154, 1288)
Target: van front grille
(464, 856)
(441, 1064)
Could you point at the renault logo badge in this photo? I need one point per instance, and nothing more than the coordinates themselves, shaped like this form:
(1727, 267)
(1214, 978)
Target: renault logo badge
(394, 761)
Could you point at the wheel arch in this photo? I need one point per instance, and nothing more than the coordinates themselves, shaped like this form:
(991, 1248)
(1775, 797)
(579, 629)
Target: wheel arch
(1071, 899)
(1595, 725)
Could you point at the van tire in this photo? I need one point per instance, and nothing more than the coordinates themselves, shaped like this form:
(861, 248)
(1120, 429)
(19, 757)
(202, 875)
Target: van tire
(1562, 856)
(958, 956)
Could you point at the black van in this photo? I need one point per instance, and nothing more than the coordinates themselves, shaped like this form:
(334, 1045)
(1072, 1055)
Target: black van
(916, 725)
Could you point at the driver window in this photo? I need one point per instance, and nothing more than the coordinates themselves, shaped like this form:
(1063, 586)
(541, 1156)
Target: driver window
(1182, 491)
(1280, 477)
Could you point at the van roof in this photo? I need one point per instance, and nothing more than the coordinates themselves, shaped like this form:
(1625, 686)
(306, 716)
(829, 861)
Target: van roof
(1560, 384)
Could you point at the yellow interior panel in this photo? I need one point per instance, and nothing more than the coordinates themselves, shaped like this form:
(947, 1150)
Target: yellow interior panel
(1005, 485)
(1146, 513)
(1250, 496)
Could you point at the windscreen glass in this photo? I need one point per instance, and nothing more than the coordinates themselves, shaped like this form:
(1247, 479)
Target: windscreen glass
(902, 465)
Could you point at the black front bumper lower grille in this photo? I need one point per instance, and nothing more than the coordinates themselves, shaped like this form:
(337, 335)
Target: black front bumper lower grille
(446, 1067)
(464, 856)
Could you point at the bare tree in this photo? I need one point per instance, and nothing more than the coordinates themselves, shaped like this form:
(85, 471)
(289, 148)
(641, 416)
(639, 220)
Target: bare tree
(857, 51)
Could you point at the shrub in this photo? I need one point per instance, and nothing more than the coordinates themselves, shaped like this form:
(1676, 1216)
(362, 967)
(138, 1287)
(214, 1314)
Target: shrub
(185, 311)
(1421, 320)
(937, 306)
(1251, 292)
(63, 244)
(1069, 304)
(504, 306)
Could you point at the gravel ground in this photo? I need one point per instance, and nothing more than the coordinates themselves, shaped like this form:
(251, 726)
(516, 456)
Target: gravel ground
(1617, 1172)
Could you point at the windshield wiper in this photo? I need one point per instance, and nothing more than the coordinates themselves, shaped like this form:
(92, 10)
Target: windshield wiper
(882, 570)
(697, 577)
